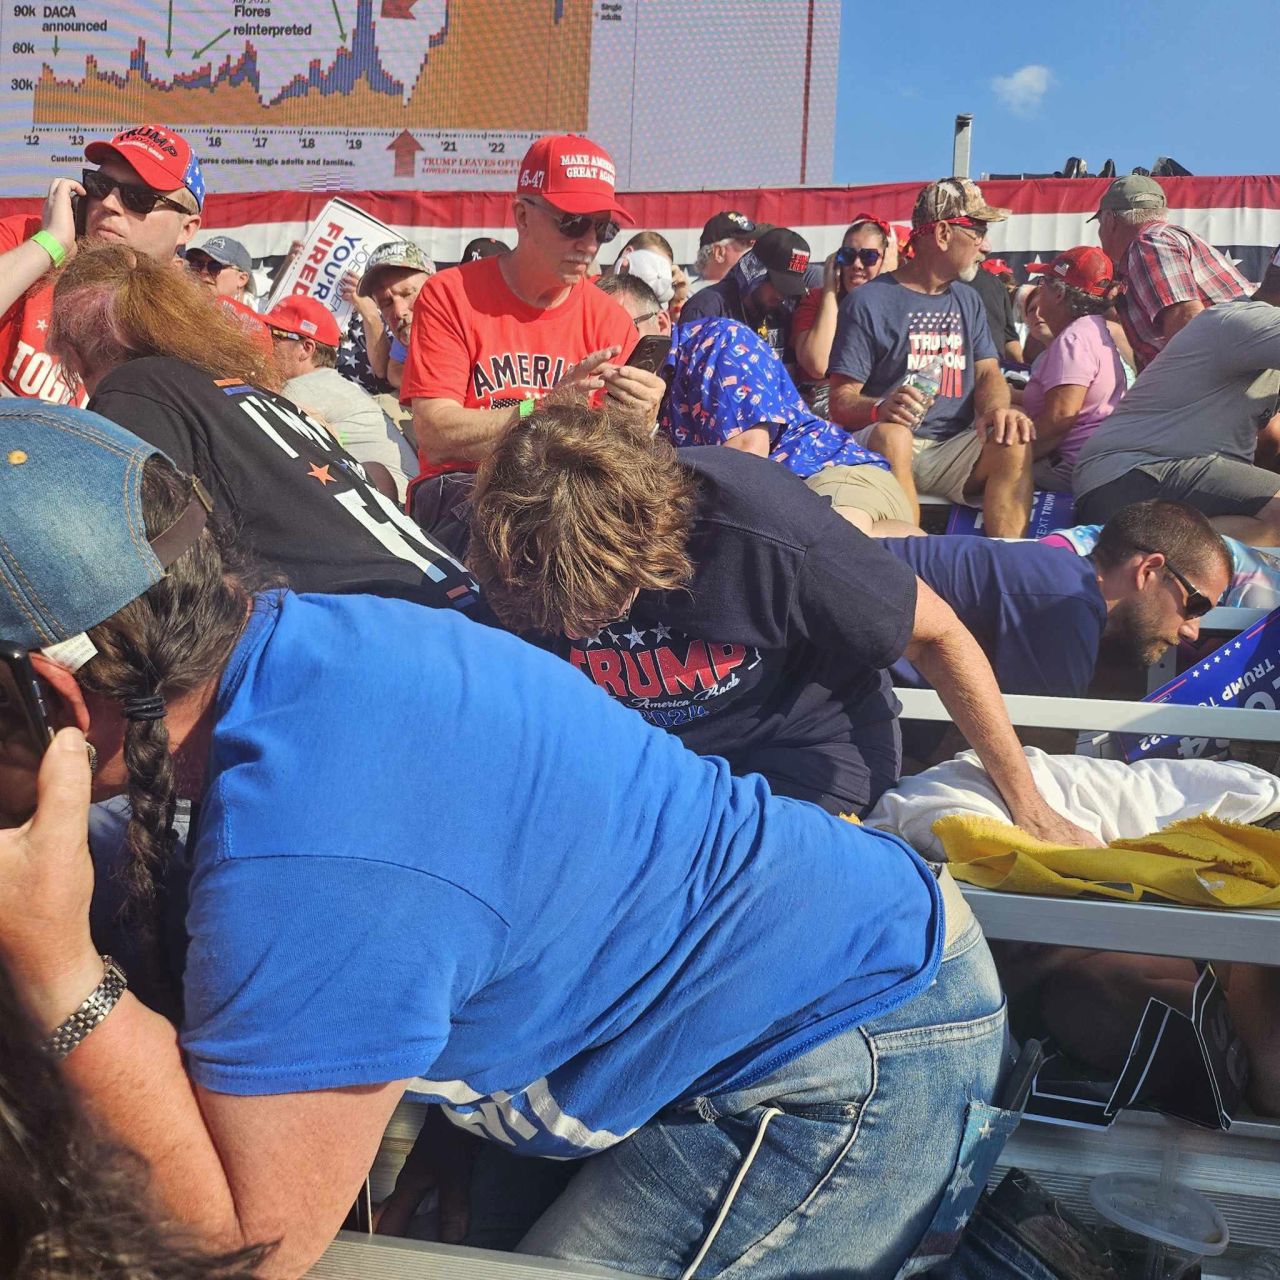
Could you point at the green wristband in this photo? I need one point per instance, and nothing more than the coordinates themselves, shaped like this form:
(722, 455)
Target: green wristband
(527, 406)
(50, 245)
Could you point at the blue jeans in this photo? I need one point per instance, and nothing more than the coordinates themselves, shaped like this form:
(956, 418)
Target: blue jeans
(864, 1157)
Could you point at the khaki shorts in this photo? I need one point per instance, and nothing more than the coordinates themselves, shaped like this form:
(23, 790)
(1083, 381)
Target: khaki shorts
(864, 488)
(942, 468)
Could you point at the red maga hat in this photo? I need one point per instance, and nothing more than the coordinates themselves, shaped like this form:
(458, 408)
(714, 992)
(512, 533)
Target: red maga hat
(574, 174)
(1084, 267)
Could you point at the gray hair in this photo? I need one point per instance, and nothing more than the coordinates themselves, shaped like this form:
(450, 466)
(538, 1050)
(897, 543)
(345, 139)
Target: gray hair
(1138, 217)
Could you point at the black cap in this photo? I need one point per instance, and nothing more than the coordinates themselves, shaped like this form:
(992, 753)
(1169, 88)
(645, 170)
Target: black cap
(786, 256)
(727, 225)
(483, 247)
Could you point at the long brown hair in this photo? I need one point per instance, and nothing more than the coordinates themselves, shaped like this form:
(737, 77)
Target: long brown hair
(71, 1204)
(575, 511)
(112, 304)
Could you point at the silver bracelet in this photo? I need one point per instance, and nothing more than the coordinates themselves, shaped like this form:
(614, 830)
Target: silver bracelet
(97, 1004)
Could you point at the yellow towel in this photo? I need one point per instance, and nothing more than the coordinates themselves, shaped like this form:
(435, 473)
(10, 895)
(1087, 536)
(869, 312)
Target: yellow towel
(1200, 862)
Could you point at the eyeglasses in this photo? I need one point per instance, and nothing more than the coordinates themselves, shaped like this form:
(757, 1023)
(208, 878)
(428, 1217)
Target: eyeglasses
(641, 319)
(282, 335)
(573, 226)
(203, 265)
(1198, 604)
(847, 257)
(979, 229)
(135, 197)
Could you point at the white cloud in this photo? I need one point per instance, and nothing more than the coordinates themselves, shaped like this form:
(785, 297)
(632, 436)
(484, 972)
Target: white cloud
(1022, 90)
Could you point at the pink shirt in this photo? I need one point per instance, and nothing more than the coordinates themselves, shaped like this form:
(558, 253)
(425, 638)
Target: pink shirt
(1082, 355)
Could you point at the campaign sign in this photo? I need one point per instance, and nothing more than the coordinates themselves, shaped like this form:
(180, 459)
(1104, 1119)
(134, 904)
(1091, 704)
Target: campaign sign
(1243, 672)
(1049, 511)
(339, 240)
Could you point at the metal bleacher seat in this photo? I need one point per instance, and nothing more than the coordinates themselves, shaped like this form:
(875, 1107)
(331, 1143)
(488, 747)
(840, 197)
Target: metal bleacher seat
(1239, 1169)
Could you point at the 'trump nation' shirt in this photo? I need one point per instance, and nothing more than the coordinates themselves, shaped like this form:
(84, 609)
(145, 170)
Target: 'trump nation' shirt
(26, 368)
(474, 342)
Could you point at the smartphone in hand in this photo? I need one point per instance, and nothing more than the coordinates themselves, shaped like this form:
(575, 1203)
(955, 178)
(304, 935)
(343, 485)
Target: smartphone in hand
(25, 733)
(649, 353)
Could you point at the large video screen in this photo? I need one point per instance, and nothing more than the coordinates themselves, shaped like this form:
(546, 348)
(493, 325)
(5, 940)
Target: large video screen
(425, 94)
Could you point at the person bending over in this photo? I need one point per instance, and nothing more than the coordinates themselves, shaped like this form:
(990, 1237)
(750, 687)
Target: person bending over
(714, 594)
(326, 965)
(143, 342)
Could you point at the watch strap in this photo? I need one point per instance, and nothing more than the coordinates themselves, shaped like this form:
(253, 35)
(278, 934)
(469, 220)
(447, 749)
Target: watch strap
(95, 1007)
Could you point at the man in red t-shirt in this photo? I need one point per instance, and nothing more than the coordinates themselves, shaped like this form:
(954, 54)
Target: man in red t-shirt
(147, 192)
(492, 337)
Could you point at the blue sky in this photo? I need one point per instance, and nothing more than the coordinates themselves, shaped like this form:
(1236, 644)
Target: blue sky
(1126, 79)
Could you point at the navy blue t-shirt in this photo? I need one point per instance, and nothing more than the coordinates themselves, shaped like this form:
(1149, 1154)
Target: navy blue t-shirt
(1035, 610)
(885, 331)
(774, 656)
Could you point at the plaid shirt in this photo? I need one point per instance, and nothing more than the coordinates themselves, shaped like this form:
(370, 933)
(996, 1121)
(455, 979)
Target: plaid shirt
(1166, 265)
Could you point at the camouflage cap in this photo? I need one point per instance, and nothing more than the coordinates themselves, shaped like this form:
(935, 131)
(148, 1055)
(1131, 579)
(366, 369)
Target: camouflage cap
(403, 254)
(950, 198)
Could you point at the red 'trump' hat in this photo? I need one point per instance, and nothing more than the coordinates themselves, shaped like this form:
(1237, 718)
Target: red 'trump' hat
(1084, 267)
(307, 318)
(574, 174)
(161, 158)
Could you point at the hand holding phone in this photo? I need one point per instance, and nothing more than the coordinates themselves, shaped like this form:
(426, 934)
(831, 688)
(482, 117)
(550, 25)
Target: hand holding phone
(650, 352)
(25, 734)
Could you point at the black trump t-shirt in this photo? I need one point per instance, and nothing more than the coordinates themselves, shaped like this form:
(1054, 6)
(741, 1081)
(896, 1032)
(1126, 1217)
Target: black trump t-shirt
(296, 500)
(774, 655)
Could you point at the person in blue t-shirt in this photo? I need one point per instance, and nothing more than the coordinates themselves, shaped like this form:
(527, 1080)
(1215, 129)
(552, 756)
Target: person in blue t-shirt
(1041, 612)
(425, 854)
(967, 443)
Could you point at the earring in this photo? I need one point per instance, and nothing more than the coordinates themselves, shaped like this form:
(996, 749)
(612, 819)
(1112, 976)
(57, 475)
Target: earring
(93, 756)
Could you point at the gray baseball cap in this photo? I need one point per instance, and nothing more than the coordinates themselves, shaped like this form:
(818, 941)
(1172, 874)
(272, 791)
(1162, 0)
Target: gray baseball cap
(395, 253)
(229, 252)
(1133, 191)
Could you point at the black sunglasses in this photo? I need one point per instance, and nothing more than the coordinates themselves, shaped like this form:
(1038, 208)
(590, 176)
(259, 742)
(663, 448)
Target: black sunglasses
(135, 197)
(574, 226)
(203, 265)
(868, 257)
(1198, 604)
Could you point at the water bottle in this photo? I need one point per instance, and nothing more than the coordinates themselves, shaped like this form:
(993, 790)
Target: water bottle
(928, 382)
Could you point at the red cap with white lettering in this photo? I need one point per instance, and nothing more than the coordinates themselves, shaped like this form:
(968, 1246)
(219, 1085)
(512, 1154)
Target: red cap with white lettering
(574, 174)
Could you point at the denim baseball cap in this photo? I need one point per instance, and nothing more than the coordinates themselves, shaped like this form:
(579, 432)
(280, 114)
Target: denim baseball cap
(73, 546)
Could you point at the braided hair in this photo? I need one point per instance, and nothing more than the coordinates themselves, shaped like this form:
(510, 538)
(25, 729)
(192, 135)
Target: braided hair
(170, 640)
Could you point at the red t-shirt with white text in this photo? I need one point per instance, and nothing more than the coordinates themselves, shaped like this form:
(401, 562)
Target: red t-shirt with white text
(26, 368)
(474, 342)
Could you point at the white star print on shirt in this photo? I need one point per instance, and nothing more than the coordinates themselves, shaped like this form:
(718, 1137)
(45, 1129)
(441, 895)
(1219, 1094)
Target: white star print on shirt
(633, 637)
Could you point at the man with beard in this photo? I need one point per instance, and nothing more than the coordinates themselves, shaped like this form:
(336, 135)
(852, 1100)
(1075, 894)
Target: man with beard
(393, 277)
(1040, 613)
(761, 289)
(954, 433)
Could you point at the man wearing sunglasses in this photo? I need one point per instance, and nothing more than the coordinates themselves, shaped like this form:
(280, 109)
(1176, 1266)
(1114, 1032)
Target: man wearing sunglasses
(492, 337)
(224, 266)
(966, 443)
(1041, 613)
(147, 192)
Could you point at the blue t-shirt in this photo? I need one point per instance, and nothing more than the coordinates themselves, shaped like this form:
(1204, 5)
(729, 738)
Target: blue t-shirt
(428, 849)
(885, 330)
(1036, 611)
(398, 352)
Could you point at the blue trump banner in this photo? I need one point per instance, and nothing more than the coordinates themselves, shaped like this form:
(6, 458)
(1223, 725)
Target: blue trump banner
(1049, 511)
(1243, 672)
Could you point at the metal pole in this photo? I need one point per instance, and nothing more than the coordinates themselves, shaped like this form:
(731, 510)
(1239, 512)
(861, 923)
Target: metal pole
(960, 146)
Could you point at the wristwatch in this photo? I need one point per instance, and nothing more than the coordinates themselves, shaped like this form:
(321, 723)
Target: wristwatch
(97, 1004)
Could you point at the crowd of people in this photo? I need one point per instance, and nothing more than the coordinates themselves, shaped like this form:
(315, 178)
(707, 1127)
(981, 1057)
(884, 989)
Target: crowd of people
(483, 700)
